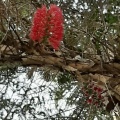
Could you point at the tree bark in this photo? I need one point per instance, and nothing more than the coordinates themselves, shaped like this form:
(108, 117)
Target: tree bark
(100, 72)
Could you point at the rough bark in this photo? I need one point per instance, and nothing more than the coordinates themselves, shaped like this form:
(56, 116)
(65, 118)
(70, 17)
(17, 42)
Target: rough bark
(100, 72)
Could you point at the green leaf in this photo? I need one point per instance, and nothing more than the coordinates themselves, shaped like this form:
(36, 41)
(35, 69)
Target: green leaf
(111, 18)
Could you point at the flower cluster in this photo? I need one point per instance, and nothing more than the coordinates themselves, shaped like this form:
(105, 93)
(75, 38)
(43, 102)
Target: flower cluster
(48, 25)
(93, 94)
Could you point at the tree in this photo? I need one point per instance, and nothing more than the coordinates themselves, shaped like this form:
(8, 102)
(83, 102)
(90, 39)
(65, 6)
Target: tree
(89, 53)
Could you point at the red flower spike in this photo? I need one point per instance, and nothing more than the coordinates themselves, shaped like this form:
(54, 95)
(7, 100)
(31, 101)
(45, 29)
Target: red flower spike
(95, 88)
(48, 24)
(99, 90)
(39, 24)
(100, 97)
(56, 26)
(89, 101)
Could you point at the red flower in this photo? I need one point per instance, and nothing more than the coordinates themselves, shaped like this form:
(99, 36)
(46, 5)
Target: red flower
(99, 90)
(48, 24)
(56, 27)
(89, 101)
(95, 88)
(100, 97)
(39, 23)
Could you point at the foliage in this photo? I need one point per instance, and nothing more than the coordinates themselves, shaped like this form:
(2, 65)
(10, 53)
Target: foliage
(38, 82)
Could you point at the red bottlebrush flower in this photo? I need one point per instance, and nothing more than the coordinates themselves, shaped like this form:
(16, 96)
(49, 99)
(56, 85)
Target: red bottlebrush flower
(99, 90)
(39, 24)
(95, 88)
(48, 24)
(56, 26)
(100, 97)
(89, 101)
